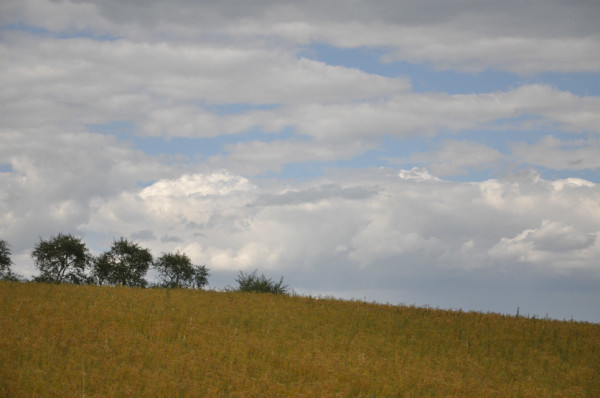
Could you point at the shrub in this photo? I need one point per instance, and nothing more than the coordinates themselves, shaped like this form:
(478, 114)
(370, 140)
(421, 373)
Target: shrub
(251, 282)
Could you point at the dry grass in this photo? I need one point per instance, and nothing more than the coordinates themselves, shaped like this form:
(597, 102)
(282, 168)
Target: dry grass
(69, 341)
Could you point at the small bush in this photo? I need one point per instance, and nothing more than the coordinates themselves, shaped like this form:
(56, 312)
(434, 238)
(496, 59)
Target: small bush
(253, 283)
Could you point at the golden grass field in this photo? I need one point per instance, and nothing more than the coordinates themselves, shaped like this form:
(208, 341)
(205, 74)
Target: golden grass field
(75, 341)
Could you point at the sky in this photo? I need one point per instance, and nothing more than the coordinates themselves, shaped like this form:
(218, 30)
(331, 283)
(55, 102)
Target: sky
(442, 154)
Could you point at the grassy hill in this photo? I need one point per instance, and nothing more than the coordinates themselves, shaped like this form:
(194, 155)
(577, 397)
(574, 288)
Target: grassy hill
(71, 341)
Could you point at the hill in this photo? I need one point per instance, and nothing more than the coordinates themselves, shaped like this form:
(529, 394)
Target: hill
(66, 340)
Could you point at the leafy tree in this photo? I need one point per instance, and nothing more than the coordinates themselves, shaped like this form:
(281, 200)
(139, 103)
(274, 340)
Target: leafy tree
(6, 263)
(253, 283)
(62, 258)
(177, 271)
(5, 260)
(126, 263)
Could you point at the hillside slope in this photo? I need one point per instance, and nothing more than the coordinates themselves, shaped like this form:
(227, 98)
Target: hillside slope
(63, 340)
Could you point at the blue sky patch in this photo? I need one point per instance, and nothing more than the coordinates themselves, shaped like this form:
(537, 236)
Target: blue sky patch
(426, 79)
(6, 168)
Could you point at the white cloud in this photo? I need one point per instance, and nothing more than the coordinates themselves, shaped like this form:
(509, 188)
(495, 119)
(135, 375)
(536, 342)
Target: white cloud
(216, 184)
(228, 222)
(416, 173)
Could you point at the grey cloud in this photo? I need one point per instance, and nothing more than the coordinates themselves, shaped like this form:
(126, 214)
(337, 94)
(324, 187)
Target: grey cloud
(551, 152)
(409, 114)
(342, 131)
(169, 238)
(554, 246)
(561, 238)
(162, 87)
(257, 157)
(554, 19)
(522, 37)
(144, 235)
(456, 157)
(58, 180)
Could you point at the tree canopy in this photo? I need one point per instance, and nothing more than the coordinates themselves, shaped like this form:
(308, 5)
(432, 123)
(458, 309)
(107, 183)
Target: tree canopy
(177, 271)
(62, 258)
(126, 263)
(6, 262)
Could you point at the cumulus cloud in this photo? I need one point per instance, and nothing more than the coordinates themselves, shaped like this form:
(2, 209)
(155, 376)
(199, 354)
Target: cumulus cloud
(218, 184)
(553, 244)
(366, 220)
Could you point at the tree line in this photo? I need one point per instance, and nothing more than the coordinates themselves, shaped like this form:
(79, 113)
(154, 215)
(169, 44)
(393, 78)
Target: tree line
(65, 258)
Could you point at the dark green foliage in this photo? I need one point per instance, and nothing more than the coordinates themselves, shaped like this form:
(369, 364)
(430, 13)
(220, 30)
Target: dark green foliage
(5, 260)
(62, 258)
(125, 264)
(253, 283)
(177, 271)
(6, 263)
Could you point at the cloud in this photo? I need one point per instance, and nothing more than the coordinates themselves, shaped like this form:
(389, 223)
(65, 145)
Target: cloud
(258, 157)
(553, 244)
(86, 82)
(143, 235)
(56, 179)
(523, 38)
(417, 174)
(342, 131)
(551, 152)
(216, 184)
(409, 114)
(457, 157)
(364, 221)
(167, 239)
(127, 79)
(312, 195)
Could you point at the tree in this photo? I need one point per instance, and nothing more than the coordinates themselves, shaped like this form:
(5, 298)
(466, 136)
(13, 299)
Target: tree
(177, 271)
(126, 263)
(253, 283)
(6, 262)
(62, 258)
